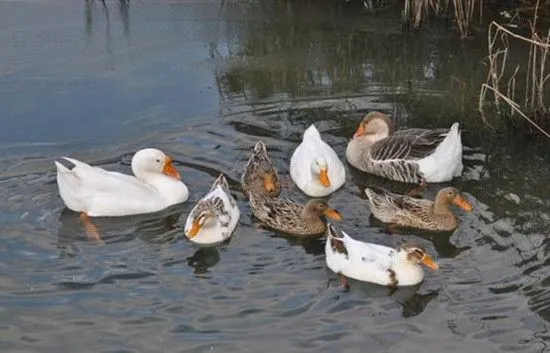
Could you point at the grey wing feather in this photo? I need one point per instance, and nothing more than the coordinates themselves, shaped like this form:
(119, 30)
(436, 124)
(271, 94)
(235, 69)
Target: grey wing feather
(409, 144)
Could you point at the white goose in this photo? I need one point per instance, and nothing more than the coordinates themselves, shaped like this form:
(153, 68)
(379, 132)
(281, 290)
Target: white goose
(411, 156)
(94, 191)
(214, 217)
(375, 263)
(315, 167)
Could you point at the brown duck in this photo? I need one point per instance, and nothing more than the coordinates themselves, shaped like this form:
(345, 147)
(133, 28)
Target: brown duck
(406, 211)
(291, 217)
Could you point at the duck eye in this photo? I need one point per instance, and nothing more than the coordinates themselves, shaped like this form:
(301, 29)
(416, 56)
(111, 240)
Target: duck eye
(158, 160)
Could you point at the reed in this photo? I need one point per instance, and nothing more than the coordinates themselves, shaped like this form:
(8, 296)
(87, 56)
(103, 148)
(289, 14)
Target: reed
(503, 79)
(463, 11)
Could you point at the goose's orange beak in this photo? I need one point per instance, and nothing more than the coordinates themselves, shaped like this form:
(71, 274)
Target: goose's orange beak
(269, 185)
(431, 264)
(195, 227)
(462, 203)
(169, 169)
(359, 132)
(333, 214)
(323, 178)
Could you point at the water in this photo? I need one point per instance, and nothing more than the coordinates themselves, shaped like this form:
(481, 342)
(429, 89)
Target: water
(203, 81)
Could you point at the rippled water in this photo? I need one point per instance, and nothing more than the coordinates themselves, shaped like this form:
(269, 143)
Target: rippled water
(203, 81)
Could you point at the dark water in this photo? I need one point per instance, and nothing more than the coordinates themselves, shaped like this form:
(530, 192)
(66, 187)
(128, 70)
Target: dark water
(203, 80)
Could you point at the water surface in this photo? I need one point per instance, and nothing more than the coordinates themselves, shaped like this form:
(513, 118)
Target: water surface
(203, 81)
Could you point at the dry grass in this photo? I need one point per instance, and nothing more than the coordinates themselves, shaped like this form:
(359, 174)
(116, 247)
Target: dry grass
(463, 12)
(503, 78)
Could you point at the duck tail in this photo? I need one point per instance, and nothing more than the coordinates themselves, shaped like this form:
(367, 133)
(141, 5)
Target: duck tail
(64, 164)
(312, 131)
(374, 193)
(332, 233)
(259, 147)
(221, 182)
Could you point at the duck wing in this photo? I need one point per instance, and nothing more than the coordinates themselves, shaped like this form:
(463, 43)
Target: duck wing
(267, 208)
(410, 144)
(376, 256)
(420, 208)
(96, 179)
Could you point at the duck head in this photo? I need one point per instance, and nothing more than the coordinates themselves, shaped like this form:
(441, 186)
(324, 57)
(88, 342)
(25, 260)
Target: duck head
(153, 161)
(260, 174)
(319, 171)
(202, 218)
(415, 255)
(375, 124)
(320, 208)
(447, 196)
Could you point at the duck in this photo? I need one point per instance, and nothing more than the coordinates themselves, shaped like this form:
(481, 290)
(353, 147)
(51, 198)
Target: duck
(259, 174)
(291, 217)
(374, 263)
(96, 192)
(407, 211)
(214, 217)
(315, 167)
(415, 156)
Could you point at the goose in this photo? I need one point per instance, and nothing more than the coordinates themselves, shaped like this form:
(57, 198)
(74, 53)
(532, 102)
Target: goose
(412, 156)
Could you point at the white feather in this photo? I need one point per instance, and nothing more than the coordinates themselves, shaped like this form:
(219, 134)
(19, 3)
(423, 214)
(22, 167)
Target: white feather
(99, 192)
(214, 232)
(370, 262)
(446, 161)
(312, 147)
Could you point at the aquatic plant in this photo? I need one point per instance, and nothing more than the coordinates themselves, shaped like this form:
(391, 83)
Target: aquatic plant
(504, 81)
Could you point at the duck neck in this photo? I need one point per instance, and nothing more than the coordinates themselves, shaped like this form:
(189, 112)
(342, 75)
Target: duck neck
(173, 190)
(359, 147)
(407, 273)
(443, 215)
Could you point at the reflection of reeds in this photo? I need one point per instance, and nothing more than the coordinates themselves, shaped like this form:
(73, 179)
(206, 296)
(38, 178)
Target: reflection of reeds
(464, 10)
(464, 14)
(501, 79)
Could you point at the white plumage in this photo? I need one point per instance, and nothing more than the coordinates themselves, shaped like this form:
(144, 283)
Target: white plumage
(375, 263)
(98, 192)
(315, 167)
(214, 217)
(446, 161)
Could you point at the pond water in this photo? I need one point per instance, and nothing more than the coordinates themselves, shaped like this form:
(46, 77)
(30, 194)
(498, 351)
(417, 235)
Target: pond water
(203, 80)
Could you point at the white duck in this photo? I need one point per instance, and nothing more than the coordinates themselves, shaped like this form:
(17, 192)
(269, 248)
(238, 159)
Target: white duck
(375, 263)
(315, 167)
(94, 191)
(214, 217)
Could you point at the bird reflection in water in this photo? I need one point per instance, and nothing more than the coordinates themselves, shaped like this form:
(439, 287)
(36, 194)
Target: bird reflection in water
(203, 259)
(411, 301)
(153, 228)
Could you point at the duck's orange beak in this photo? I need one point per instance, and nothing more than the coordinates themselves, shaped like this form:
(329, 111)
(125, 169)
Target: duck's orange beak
(195, 227)
(269, 185)
(169, 169)
(359, 132)
(323, 178)
(333, 214)
(431, 264)
(462, 203)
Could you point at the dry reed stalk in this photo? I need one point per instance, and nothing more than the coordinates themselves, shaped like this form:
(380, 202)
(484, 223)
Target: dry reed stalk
(535, 75)
(464, 14)
(415, 9)
(515, 107)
